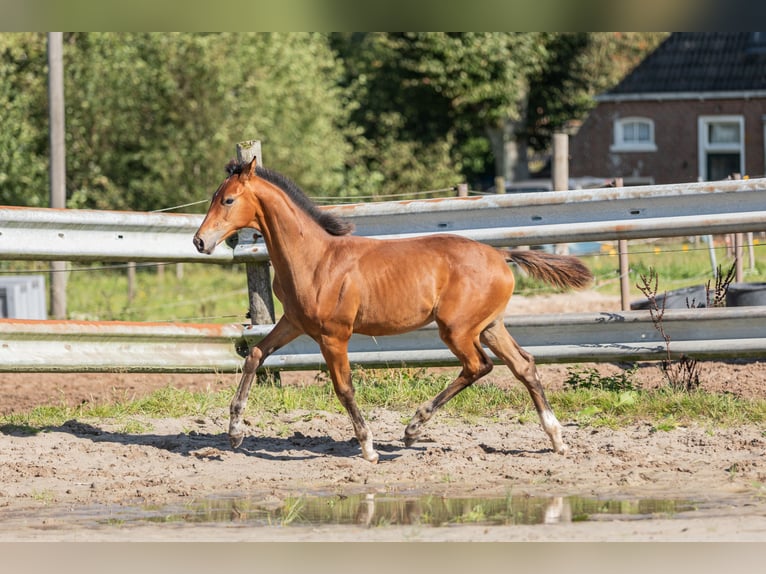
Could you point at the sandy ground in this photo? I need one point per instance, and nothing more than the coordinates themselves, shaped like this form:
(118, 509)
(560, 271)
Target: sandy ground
(60, 484)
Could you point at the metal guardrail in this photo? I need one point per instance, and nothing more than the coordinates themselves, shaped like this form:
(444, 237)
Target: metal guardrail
(45, 234)
(500, 220)
(578, 337)
(560, 338)
(550, 217)
(115, 346)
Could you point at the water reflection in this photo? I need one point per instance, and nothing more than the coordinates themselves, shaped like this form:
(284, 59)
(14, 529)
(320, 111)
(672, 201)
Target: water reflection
(373, 510)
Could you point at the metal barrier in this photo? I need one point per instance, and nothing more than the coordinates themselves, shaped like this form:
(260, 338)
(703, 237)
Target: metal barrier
(577, 337)
(501, 220)
(550, 217)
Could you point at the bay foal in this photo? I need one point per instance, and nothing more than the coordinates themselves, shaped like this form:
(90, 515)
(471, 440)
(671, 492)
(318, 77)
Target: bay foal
(332, 284)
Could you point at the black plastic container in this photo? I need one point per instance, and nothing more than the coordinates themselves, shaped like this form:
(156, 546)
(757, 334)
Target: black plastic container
(746, 294)
(695, 296)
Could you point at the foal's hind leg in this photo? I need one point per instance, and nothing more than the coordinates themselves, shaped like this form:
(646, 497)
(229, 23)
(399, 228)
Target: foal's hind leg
(475, 363)
(522, 364)
(282, 333)
(335, 353)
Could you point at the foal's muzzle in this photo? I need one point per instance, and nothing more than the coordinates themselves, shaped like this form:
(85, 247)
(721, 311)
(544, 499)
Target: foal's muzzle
(199, 243)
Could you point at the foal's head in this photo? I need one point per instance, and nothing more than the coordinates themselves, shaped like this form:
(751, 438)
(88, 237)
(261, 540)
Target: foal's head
(236, 204)
(233, 207)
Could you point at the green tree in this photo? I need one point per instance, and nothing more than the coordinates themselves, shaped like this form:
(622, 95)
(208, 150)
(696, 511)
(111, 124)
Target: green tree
(151, 119)
(172, 106)
(401, 130)
(480, 98)
(448, 97)
(23, 109)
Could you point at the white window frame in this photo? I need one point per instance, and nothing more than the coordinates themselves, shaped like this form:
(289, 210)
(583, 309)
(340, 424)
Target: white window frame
(620, 145)
(704, 147)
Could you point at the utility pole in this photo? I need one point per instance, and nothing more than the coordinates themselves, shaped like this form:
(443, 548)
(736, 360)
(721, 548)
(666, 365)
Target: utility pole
(57, 162)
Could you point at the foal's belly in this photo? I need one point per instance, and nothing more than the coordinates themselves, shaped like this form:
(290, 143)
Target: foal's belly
(393, 323)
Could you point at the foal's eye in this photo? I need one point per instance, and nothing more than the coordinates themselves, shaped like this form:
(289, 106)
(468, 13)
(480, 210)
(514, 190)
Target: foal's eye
(228, 201)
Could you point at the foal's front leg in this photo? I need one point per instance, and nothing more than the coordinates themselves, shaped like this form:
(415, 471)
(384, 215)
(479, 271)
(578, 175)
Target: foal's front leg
(282, 333)
(335, 352)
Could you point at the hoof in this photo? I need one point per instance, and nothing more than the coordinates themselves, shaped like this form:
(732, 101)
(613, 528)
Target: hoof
(561, 449)
(236, 440)
(409, 440)
(371, 458)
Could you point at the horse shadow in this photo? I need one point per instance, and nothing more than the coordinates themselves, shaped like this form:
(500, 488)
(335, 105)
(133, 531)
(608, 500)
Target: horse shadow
(213, 446)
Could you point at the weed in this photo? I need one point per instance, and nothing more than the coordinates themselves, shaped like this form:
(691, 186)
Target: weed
(587, 414)
(683, 374)
(590, 378)
(717, 296)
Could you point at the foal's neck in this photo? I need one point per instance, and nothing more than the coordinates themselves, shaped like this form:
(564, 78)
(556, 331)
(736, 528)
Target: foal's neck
(293, 237)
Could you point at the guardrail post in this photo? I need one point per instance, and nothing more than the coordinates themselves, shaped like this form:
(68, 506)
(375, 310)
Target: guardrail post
(261, 305)
(261, 308)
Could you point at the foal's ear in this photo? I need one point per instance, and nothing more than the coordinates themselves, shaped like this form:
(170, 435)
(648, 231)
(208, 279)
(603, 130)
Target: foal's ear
(251, 167)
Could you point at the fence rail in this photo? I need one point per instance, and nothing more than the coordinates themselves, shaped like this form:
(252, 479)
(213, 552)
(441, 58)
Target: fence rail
(551, 217)
(500, 220)
(577, 337)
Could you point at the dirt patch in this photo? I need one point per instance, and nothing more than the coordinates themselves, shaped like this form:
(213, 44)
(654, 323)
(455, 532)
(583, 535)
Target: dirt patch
(101, 464)
(93, 464)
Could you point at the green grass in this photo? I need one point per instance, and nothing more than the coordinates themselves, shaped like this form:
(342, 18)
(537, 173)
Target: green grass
(403, 390)
(205, 293)
(678, 264)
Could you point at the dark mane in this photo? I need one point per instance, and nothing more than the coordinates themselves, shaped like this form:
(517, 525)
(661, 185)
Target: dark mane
(330, 223)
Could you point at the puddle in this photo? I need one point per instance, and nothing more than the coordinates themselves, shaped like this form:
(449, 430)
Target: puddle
(375, 510)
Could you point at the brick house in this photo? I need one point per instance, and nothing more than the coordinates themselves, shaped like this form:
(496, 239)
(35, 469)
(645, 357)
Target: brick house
(693, 110)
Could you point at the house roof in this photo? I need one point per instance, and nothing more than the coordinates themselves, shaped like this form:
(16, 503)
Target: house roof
(699, 62)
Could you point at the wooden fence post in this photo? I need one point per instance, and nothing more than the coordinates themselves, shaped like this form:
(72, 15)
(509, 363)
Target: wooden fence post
(261, 307)
(560, 174)
(560, 162)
